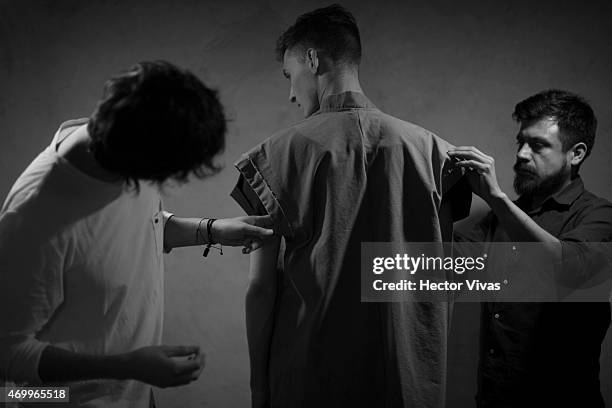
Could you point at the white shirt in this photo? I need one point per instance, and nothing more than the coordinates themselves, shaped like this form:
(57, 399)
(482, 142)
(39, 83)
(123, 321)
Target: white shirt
(81, 269)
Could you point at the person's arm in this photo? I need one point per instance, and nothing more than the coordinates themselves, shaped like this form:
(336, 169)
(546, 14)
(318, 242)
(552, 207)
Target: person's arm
(483, 180)
(161, 366)
(31, 292)
(240, 231)
(260, 299)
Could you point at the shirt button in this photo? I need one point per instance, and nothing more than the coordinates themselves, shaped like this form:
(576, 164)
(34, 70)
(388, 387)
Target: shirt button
(156, 220)
(496, 315)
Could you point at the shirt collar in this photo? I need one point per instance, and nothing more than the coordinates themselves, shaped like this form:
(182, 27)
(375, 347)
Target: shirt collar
(570, 193)
(345, 100)
(565, 197)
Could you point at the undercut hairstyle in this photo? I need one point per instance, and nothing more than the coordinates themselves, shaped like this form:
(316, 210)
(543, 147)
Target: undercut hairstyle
(574, 116)
(331, 30)
(157, 122)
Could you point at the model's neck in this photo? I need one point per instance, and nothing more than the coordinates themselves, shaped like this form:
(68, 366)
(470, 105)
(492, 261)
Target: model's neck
(337, 82)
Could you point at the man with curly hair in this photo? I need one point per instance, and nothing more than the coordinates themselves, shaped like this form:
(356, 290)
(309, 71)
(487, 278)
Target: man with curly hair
(83, 231)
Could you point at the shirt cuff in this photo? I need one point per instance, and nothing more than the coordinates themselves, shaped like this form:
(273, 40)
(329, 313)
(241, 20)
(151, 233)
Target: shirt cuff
(166, 216)
(268, 198)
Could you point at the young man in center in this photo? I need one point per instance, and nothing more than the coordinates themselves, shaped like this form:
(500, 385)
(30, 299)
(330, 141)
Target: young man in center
(346, 174)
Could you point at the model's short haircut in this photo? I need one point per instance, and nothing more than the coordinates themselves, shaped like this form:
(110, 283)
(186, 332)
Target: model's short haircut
(574, 116)
(157, 122)
(331, 30)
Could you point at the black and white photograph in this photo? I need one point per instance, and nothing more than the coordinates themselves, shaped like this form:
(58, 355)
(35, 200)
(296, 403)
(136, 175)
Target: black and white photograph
(291, 204)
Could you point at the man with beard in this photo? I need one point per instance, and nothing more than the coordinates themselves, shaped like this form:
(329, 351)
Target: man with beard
(542, 354)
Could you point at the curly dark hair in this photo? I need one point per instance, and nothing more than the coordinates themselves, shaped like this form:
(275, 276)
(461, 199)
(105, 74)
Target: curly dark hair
(574, 116)
(157, 122)
(330, 30)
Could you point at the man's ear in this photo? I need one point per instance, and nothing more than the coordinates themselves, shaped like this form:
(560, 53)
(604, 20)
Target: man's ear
(579, 152)
(312, 59)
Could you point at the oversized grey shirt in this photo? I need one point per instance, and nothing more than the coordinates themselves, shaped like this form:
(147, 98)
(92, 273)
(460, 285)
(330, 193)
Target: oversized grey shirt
(349, 174)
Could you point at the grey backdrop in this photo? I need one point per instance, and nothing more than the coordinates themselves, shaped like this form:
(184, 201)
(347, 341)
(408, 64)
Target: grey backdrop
(456, 68)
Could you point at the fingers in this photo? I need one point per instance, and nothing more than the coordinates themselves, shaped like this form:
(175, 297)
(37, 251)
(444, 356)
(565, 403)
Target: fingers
(185, 379)
(475, 165)
(259, 220)
(250, 246)
(466, 149)
(190, 366)
(188, 371)
(179, 351)
(470, 152)
(258, 232)
(255, 245)
(254, 236)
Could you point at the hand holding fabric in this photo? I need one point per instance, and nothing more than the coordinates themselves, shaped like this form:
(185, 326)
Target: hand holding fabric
(481, 171)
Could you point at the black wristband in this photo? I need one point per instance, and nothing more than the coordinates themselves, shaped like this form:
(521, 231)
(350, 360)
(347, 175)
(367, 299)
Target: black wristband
(209, 224)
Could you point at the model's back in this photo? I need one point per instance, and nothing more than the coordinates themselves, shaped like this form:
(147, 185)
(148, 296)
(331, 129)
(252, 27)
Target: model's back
(350, 174)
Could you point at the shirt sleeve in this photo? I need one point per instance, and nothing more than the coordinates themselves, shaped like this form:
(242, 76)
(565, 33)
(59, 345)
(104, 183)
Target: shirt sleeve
(246, 197)
(586, 250)
(278, 178)
(31, 289)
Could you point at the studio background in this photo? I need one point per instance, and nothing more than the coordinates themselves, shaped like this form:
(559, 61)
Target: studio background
(456, 68)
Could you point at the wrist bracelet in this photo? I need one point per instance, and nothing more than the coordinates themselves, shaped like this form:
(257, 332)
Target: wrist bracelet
(209, 230)
(210, 242)
(199, 235)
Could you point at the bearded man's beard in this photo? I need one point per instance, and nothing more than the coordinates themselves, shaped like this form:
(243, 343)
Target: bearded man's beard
(528, 183)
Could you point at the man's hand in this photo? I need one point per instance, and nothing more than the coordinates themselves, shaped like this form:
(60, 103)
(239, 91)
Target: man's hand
(165, 366)
(248, 231)
(480, 171)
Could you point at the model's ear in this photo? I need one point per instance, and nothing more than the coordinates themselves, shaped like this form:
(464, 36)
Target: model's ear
(312, 59)
(578, 152)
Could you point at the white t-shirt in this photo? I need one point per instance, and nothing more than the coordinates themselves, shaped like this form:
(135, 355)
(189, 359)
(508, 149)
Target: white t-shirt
(81, 269)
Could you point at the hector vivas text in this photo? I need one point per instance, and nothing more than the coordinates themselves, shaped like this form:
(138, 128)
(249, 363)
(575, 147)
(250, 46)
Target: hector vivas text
(422, 263)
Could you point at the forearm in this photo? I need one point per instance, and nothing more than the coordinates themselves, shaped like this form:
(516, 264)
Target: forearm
(182, 232)
(246, 231)
(58, 365)
(520, 226)
(260, 299)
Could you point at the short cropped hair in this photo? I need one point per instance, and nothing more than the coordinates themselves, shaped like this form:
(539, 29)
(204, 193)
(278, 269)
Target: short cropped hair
(157, 122)
(331, 30)
(574, 116)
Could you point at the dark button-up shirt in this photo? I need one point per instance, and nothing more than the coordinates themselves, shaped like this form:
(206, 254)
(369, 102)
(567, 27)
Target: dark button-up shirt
(545, 354)
(350, 174)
